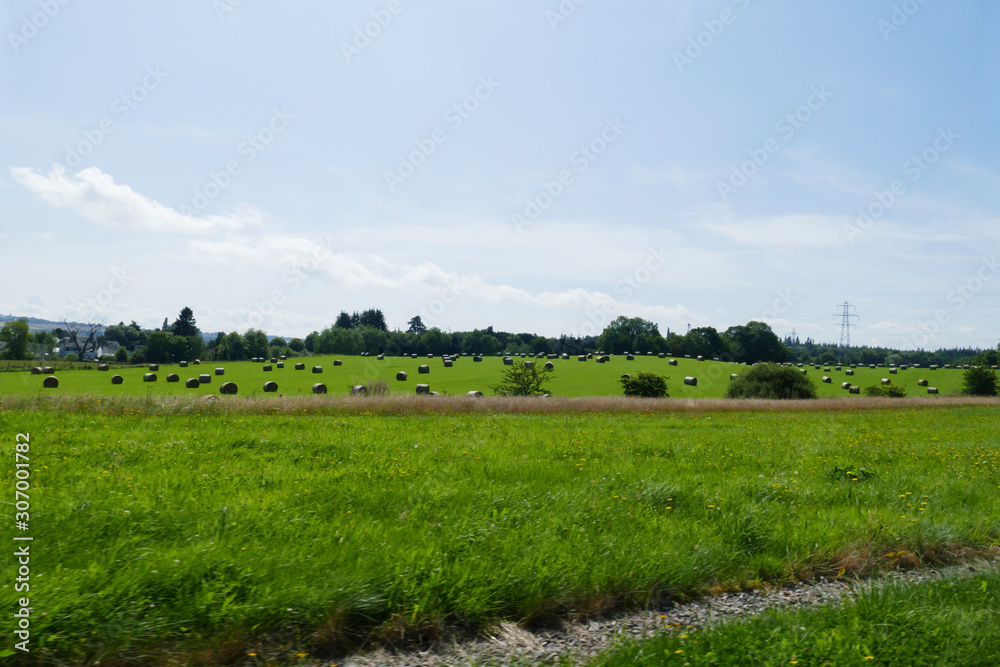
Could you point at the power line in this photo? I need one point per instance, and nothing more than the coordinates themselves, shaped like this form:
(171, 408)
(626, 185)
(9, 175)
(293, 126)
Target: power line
(845, 325)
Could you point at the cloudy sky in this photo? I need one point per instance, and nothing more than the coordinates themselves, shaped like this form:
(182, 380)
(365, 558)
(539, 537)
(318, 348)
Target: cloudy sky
(536, 166)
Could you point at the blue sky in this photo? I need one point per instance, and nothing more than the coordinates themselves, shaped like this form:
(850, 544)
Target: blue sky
(541, 166)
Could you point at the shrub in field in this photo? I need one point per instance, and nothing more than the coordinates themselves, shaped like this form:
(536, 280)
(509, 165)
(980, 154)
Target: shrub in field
(645, 385)
(979, 382)
(520, 379)
(888, 390)
(772, 381)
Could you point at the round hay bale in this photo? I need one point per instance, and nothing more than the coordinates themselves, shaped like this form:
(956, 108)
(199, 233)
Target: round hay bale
(424, 369)
(474, 394)
(701, 358)
(627, 376)
(892, 371)
(317, 369)
(270, 387)
(381, 357)
(854, 365)
(845, 385)
(173, 377)
(564, 356)
(590, 356)
(507, 361)
(51, 382)
(220, 371)
(529, 364)
(886, 381)
(48, 370)
(932, 390)
(103, 367)
(827, 379)
(805, 371)
(430, 356)
(581, 357)
(401, 376)
(630, 357)
(423, 389)
(274, 360)
(197, 362)
(599, 360)
(413, 356)
(205, 378)
(280, 364)
(922, 383)
(854, 389)
(836, 368)
(934, 367)
(849, 371)
(319, 388)
(37, 370)
(183, 364)
(672, 362)
(549, 366)
(268, 368)
(117, 379)
(338, 362)
(359, 390)
(192, 383)
(903, 367)
(229, 389)
(523, 355)
(300, 367)
(448, 363)
(872, 366)
(691, 381)
(817, 367)
(477, 359)
(149, 377)
(661, 355)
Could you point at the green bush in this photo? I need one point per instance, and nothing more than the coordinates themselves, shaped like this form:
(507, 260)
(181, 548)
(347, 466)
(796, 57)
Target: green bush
(772, 381)
(523, 380)
(979, 382)
(889, 391)
(645, 385)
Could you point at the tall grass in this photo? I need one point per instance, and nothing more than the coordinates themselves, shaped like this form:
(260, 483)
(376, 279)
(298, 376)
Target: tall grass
(194, 531)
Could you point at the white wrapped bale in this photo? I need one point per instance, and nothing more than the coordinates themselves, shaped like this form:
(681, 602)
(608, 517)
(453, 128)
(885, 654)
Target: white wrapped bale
(691, 381)
(733, 376)
(270, 387)
(474, 394)
(629, 358)
(627, 376)
(228, 388)
(300, 367)
(849, 371)
(827, 379)
(423, 389)
(401, 376)
(424, 369)
(549, 366)
(922, 383)
(932, 390)
(582, 357)
(317, 369)
(855, 389)
(672, 362)
(103, 367)
(845, 385)
(359, 390)
(893, 371)
(319, 388)
(529, 364)
(886, 381)
(173, 377)
(51, 382)
(192, 383)
(268, 368)
(154, 367)
(280, 364)
(205, 378)
(149, 377)
(507, 361)
(117, 379)
(220, 371)
(338, 362)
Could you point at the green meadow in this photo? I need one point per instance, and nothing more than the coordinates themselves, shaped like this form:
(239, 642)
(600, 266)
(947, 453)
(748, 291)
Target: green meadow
(193, 532)
(572, 378)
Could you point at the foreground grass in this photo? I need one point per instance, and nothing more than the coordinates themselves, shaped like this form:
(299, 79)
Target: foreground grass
(195, 534)
(949, 622)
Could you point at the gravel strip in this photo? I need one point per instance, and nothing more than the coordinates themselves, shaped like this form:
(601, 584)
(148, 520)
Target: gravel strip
(509, 645)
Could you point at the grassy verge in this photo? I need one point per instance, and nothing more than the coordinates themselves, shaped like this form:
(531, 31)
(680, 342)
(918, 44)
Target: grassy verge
(949, 622)
(195, 533)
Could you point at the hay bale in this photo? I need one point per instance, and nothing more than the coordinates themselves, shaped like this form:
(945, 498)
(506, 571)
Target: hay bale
(270, 387)
(606, 358)
(691, 381)
(872, 366)
(51, 382)
(672, 362)
(886, 381)
(892, 371)
(932, 390)
(827, 379)
(197, 362)
(317, 369)
(903, 367)
(401, 376)
(805, 371)
(474, 394)
(117, 379)
(816, 367)
(283, 357)
(854, 389)
(229, 388)
(845, 385)
(630, 357)
(836, 368)
(661, 355)
(549, 366)
(149, 377)
(381, 357)
(281, 364)
(934, 367)
(220, 371)
(319, 388)
(424, 369)
(300, 367)
(338, 362)
(581, 357)
(507, 361)
(48, 370)
(274, 360)
(627, 376)
(529, 364)
(413, 356)
(37, 370)
(854, 365)
(430, 356)
(477, 359)
(205, 378)
(565, 356)
(849, 371)
(600, 360)
(103, 367)
(922, 383)
(423, 389)
(173, 377)
(192, 383)
(183, 364)
(701, 358)
(826, 369)
(359, 390)
(590, 356)
(268, 368)
(448, 363)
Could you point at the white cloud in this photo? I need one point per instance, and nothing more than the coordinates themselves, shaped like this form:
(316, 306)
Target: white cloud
(95, 195)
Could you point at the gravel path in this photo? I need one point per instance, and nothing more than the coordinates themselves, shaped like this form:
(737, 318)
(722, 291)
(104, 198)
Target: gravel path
(509, 645)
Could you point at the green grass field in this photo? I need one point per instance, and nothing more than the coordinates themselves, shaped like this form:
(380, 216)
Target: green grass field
(572, 378)
(198, 533)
